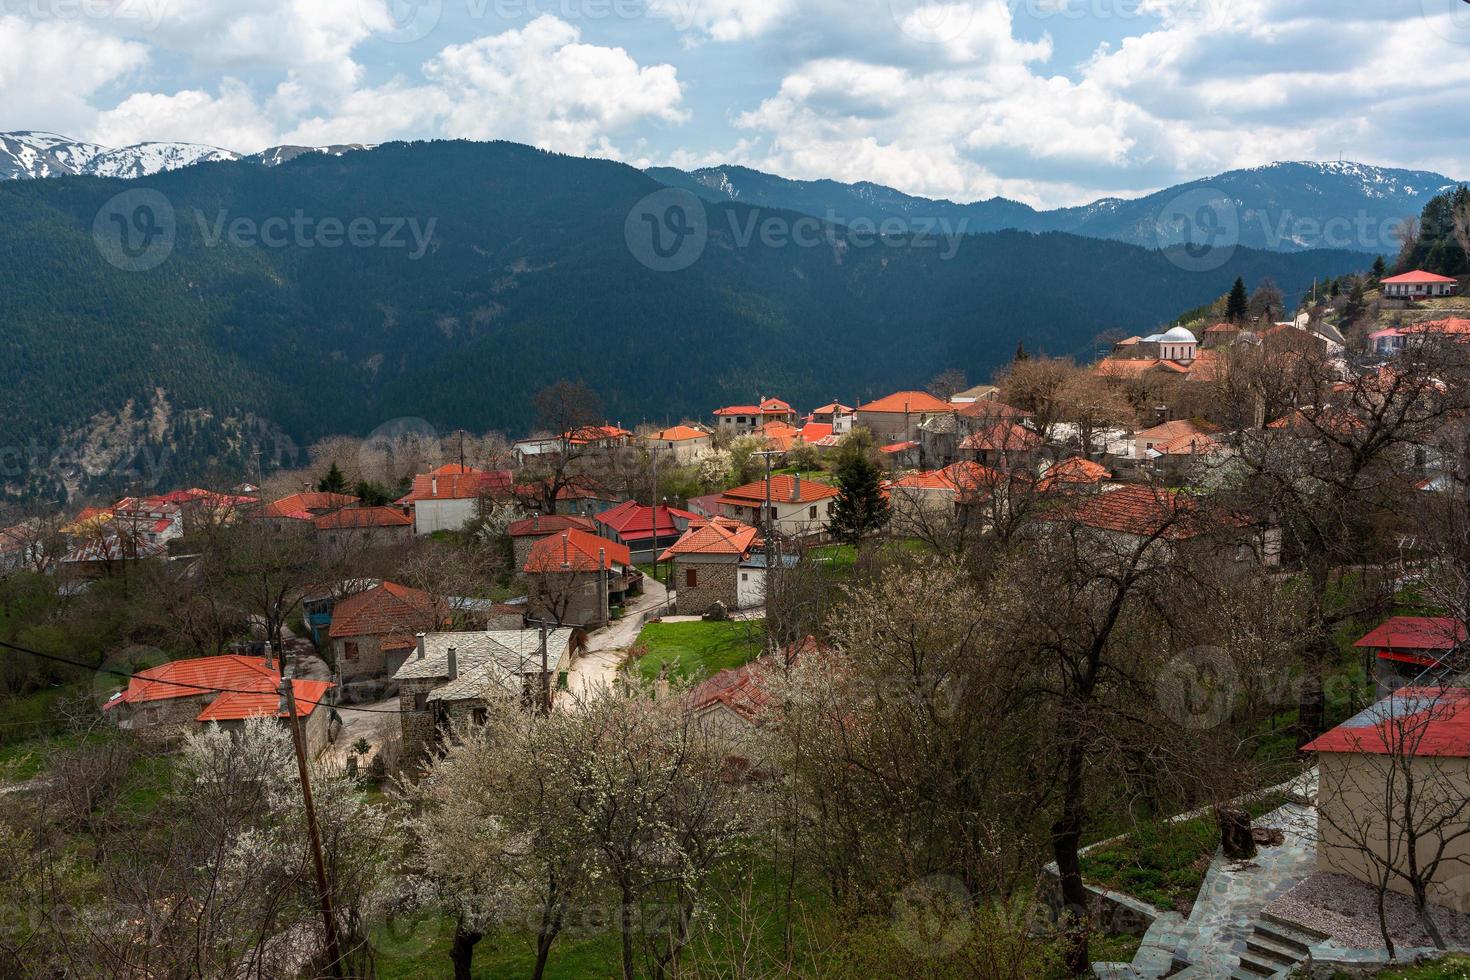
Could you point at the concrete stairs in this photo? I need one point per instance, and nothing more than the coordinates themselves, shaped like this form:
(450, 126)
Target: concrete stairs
(1275, 947)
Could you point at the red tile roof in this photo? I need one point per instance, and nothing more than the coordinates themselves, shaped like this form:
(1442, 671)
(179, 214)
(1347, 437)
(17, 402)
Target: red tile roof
(265, 703)
(814, 431)
(1073, 471)
(912, 402)
(458, 486)
(576, 551)
(679, 433)
(311, 503)
(387, 609)
(1139, 510)
(898, 447)
(989, 408)
(956, 477)
(768, 406)
(748, 690)
(998, 437)
(717, 536)
(784, 490)
(184, 678)
(538, 526)
(350, 518)
(595, 433)
(1413, 721)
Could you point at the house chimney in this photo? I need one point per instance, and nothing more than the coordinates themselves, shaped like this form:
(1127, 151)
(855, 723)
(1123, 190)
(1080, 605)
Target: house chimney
(535, 522)
(796, 488)
(434, 485)
(453, 657)
(269, 650)
(421, 645)
(566, 557)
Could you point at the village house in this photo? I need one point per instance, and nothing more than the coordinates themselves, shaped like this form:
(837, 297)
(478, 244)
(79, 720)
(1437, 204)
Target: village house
(579, 496)
(896, 418)
(1418, 285)
(974, 394)
(1219, 335)
(458, 678)
(576, 578)
(735, 703)
(1001, 444)
(744, 419)
(1392, 340)
(645, 530)
(320, 601)
(149, 520)
(372, 634)
(928, 500)
(797, 507)
(1170, 436)
(1415, 740)
(707, 562)
(824, 428)
(451, 496)
(1073, 475)
(359, 528)
(1405, 647)
(526, 532)
(683, 443)
(173, 699)
(303, 507)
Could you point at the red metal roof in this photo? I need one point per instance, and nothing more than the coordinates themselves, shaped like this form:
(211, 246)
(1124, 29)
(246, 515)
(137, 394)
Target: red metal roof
(634, 521)
(1419, 276)
(1413, 721)
(1439, 633)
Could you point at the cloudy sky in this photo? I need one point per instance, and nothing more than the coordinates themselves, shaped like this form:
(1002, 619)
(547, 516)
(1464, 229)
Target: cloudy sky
(1049, 101)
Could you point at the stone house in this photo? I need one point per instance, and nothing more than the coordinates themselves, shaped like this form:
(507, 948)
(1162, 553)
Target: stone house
(576, 578)
(358, 528)
(707, 563)
(897, 417)
(372, 634)
(526, 532)
(173, 699)
(457, 678)
(797, 507)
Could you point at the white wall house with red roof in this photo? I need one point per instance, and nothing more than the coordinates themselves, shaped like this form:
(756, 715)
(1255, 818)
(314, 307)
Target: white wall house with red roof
(896, 418)
(749, 418)
(448, 498)
(798, 507)
(1418, 285)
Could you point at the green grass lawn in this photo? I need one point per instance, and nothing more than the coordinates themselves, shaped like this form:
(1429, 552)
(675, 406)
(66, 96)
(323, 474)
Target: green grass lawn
(699, 649)
(1163, 863)
(1447, 968)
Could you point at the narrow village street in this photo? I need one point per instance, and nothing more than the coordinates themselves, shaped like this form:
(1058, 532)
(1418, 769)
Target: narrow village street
(598, 665)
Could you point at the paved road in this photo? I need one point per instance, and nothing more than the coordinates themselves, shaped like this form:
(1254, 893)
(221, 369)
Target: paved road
(606, 647)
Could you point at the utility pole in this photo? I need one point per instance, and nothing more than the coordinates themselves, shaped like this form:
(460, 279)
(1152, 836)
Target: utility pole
(545, 675)
(334, 953)
(653, 459)
(767, 454)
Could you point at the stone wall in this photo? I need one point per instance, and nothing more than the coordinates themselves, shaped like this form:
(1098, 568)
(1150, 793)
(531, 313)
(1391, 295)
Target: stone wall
(372, 663)
(713, 582)
(574, 599)
(418, 725)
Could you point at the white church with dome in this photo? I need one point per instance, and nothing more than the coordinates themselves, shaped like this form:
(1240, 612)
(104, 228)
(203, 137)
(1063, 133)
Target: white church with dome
(1176, 344)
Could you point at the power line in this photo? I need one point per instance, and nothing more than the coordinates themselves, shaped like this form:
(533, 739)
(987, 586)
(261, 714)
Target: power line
(185, 684)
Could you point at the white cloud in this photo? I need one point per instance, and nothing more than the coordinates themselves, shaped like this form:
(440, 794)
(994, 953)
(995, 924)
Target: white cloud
(540, 85)
(722, 20)
(50, 70)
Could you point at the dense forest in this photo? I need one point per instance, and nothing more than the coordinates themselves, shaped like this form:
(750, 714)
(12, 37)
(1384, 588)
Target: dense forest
(486, 271)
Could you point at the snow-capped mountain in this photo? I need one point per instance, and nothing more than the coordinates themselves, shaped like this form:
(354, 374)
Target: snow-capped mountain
(35, 155)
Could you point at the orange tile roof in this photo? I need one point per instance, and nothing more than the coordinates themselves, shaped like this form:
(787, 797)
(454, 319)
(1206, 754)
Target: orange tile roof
(540, 525)
(963, 476)
(989, 408)
(265, 703)
(184, 678)
(455, 469)
(1001, 437)
(1073, 471)
(912, 402)
(831, 408)
(350, 518)
(387, 609)
(1139, 510)
(783, 491)
(898, 447)
(717, 536)
(632, 520)
(768, 406)
(679, 433)
(595, 433)
(452, 486)
(1173, 429)
(814, 431)
(576, 551)
(310, 502)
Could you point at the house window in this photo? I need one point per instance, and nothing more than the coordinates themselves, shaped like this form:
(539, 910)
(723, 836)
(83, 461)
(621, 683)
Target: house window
(812, 512)
(421, 701)
(349, 650)
(691, 579)
(775, 516)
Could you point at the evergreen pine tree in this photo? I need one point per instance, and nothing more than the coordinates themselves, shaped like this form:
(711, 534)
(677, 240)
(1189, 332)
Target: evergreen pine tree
(1235, 306)
(1021, 354)
(1356, 303)
(860, 507)
(1379, 269)
(333, 482)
